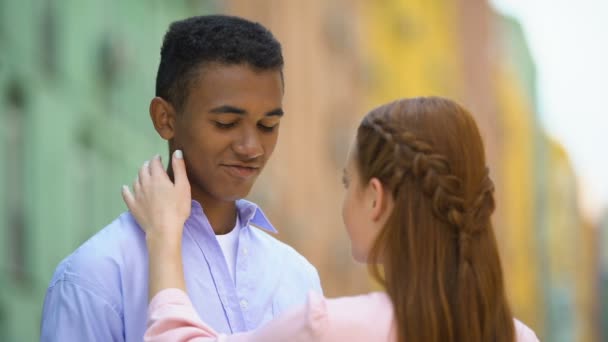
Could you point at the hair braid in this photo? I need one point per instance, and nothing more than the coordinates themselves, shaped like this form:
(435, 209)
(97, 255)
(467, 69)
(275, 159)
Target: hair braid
(416, 158)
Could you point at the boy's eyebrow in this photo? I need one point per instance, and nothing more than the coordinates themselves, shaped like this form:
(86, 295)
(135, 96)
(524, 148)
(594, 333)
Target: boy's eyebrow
(276, 112)
(227, 109)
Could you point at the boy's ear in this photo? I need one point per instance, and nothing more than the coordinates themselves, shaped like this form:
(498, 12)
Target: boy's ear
(163, 114)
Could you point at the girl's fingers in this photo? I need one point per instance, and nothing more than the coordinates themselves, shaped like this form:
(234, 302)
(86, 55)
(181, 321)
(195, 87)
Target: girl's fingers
(156, 166)
(127, 196)
(179, 169)
(144, 172)
(136, 187)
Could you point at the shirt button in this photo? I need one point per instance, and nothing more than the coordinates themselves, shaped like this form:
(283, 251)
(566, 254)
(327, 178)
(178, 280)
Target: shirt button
(245, 251)
(244, 304)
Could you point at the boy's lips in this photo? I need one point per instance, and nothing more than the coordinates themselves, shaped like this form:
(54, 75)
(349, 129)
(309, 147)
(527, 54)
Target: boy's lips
(241, 171)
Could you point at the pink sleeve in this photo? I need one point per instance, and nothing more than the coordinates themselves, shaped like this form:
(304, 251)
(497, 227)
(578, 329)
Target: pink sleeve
(171, 317)
(300, 324)
(360, 318)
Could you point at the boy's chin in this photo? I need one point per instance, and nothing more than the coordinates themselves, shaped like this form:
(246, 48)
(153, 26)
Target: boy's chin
(235, 196)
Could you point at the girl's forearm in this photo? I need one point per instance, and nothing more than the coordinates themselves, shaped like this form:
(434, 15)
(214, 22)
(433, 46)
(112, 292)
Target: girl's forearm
(165, 266)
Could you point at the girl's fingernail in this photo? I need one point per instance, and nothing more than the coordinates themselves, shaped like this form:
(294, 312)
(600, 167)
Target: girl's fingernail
(146, 163)
(178, 154)
(157, 157)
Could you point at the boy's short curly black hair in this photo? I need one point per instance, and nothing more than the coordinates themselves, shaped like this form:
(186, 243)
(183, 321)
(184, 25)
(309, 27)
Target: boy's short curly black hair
(193, 42)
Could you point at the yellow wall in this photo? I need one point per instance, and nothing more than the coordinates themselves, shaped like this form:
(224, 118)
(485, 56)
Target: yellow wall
(410, 49)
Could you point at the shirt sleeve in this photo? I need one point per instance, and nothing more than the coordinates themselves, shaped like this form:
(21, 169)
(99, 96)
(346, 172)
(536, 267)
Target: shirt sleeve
(171, 317)
(74, 313)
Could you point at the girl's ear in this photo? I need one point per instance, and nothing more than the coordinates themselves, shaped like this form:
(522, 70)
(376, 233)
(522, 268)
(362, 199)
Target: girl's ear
(380, 201)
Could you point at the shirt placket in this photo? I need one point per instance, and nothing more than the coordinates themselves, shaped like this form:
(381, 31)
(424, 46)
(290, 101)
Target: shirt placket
(220, 275)
(243, 274)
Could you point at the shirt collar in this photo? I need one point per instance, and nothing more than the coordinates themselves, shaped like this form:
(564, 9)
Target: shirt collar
(249, 213)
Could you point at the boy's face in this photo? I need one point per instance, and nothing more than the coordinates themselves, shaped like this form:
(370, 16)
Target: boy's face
(228, 129)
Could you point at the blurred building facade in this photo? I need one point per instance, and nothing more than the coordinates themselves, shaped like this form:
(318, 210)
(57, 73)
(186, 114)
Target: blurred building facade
(551, 245)
(76, 79)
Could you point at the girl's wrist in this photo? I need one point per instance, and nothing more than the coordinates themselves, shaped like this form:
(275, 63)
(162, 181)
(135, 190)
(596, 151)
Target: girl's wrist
(163, 242)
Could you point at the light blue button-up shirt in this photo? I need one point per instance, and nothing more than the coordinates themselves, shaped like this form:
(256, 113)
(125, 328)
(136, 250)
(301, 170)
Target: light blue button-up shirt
(100, 292)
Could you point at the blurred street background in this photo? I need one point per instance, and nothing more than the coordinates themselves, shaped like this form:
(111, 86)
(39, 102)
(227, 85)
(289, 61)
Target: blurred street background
(76, 78)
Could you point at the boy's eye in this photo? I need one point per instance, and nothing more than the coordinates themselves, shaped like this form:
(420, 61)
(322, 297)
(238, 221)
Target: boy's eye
(266, 128)
(224, 125)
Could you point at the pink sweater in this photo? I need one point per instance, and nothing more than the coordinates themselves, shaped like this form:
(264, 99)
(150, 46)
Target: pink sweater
(172, 318)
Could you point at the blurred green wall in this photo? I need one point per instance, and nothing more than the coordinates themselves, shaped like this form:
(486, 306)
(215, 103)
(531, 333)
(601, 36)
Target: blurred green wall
(76, 78)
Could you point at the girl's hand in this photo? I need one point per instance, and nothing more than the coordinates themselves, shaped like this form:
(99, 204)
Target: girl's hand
(160, 206)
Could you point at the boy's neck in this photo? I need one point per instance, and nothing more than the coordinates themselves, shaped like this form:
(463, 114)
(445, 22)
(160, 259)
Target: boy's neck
(221, 214)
